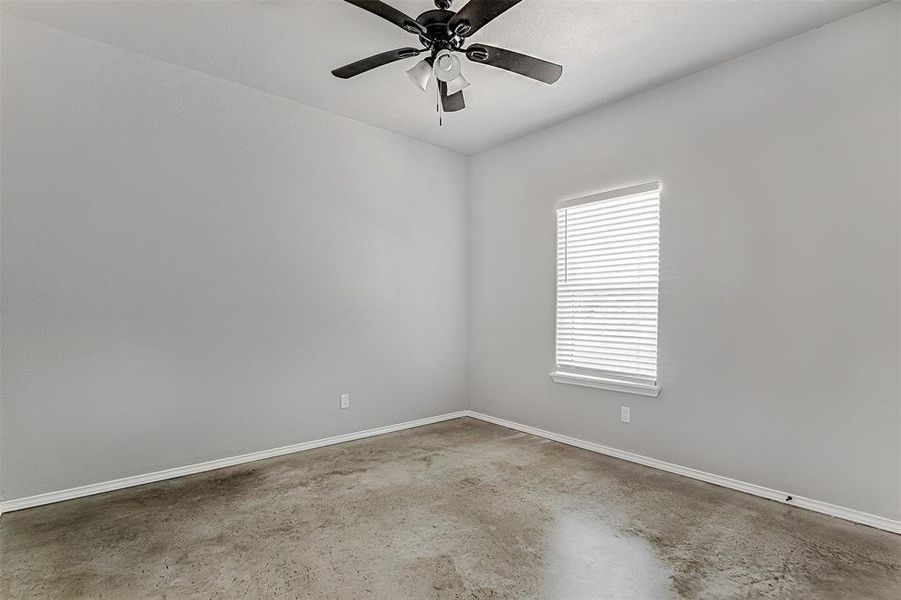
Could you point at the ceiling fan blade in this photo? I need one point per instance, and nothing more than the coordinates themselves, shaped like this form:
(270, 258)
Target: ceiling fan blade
(451, 103)
(390, 13)
(366, 64)
(476, 14)
(528, 66)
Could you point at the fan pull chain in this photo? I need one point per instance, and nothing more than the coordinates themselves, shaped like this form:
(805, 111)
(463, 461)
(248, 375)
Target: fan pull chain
(438, 105)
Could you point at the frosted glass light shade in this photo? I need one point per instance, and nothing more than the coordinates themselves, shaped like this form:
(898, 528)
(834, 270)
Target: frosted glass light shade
(456, 85)
(447, 66)
(420, 74)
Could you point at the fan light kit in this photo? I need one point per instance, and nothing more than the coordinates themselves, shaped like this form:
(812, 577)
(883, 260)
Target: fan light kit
(442, 33)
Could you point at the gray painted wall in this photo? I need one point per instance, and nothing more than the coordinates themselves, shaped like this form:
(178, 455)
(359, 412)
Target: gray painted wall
(779, 318)
(193, 269)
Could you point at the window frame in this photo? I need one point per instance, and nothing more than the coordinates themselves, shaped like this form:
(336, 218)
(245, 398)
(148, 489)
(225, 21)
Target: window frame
(597, 378)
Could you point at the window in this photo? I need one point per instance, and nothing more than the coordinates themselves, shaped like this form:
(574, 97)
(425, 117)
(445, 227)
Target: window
(608, 251)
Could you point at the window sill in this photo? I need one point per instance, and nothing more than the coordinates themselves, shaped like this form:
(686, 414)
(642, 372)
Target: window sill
(604, 383)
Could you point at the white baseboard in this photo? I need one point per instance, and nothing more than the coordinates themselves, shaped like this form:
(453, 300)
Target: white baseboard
(825, 508)
(126, 482)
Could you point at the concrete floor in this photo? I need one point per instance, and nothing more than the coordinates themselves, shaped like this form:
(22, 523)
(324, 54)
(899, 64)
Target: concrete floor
(460, 509)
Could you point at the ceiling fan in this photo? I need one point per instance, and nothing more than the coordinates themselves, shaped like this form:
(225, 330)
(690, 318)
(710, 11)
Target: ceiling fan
(442, 33)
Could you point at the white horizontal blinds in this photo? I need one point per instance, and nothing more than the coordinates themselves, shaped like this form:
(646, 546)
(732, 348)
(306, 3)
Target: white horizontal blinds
(607, 273)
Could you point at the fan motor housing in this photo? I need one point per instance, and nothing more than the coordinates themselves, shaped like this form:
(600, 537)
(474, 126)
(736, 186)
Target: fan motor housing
(438, 37)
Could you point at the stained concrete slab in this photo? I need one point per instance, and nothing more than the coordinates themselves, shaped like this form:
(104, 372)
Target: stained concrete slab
(461, 509)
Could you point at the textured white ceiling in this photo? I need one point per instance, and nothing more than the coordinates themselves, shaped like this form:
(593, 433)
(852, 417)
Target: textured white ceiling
(609, 50)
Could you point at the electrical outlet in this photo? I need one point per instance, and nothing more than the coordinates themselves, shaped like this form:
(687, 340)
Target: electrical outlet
(345, 400)
(625, 414)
